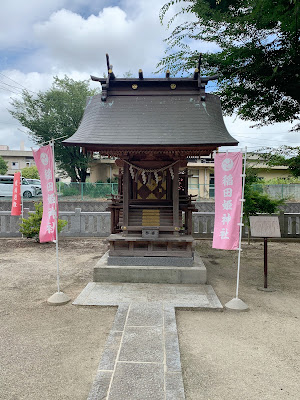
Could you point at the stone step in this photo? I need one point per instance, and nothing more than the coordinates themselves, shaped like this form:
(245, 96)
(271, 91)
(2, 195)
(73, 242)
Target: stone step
(172, 274)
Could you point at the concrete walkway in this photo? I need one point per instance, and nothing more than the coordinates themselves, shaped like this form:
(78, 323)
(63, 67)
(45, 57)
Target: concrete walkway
(141, 359)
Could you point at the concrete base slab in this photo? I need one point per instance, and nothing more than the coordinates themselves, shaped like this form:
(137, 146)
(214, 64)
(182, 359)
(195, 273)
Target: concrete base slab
(58, 299)
(236, 304)
(180, 296)
(173, 274)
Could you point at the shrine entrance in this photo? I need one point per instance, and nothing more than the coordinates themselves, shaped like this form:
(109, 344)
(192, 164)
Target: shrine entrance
(151, 216)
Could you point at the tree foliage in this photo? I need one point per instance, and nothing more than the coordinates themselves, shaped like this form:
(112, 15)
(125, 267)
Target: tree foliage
(55, 113)
(284, 155)
(3, 166)
(30, 172)
(257, 58)
(30, 227)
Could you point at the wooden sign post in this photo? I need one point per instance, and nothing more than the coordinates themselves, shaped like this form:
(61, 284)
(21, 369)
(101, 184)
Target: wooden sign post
(265, 227)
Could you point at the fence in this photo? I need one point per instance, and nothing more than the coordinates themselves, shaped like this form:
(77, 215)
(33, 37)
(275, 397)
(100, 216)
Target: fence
(84, 191)
(289, 191)
(80, 190)
(203, 225)
(97, 224)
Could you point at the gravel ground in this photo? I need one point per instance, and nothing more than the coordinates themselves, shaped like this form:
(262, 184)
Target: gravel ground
(52, 353)
(249, 355)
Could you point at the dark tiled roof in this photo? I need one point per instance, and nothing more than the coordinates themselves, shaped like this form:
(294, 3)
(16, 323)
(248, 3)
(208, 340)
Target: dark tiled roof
(152, 120)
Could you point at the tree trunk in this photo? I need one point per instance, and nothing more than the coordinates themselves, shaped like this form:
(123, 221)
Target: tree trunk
(83, 174)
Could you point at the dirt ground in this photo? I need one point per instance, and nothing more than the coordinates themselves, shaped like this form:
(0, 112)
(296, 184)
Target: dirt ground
(52, 353)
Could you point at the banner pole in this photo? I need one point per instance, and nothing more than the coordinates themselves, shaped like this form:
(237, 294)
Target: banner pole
(237, 304)
(22, 203)
(58, 298)
(21, 194)
(56, 217)
(241, 224)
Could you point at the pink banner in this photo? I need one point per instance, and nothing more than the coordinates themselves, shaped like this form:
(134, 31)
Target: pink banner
(16, 197)
(44, 161)
(228, 195)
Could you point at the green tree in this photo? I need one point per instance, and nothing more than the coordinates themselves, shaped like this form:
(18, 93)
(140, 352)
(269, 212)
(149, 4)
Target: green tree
(30, 172)
(55, 113)
(3, 166)
(256, 57)
(284, 155)
(30, 227)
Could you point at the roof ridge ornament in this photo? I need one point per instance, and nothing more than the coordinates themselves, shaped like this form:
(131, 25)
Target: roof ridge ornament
(154, 86)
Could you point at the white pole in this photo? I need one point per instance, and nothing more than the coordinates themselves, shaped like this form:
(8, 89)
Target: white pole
(58, 298)
(241, 225)
(56, 216)
(237, 304)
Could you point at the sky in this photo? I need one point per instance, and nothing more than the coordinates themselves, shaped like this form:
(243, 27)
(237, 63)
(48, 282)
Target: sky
(40, 39)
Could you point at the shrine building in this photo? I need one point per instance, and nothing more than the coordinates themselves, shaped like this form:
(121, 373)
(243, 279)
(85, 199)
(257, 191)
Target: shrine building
(152, 126)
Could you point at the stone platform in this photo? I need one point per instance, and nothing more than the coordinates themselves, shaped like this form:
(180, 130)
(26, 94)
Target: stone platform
(150, 270)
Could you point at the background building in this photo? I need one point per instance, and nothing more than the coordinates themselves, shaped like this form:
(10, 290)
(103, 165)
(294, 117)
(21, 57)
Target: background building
(16, 159)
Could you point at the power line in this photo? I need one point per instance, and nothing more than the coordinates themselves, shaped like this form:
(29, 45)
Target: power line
(17, 83)
(7, 84)
(253, 138)
(9, 90)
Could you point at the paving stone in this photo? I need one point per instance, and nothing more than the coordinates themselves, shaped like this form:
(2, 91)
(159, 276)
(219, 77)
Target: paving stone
(173, 363)
(100, 386)
(120, 317)
(169, 319)
(138, 382)
(133, 298)
(110, 352)
(80, 300)
(190, 289)
(142, 344)
(174, 386)
(108, 288)
(145, 314)
(213, 298)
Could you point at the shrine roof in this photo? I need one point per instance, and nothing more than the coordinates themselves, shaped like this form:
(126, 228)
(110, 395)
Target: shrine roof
(162, 118)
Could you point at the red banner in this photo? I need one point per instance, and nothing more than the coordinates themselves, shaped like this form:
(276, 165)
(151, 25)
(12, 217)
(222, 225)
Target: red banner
(44, 161)
(228, 195)
(16, 197)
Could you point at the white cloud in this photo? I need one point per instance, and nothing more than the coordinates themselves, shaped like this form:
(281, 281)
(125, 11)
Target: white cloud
(73, 42)
(17, 17)
(11, 131)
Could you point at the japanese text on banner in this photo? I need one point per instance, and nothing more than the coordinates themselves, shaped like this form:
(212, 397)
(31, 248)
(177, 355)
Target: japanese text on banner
(228, 194)
(16, 196)
(44, 162)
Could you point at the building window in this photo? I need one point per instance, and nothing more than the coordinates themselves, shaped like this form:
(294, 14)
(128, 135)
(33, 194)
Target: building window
(14, 165)
(28, 164)
(211, 185)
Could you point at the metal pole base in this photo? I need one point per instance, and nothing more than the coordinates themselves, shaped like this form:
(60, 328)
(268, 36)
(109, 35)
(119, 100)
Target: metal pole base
(58, 299)
(236, 304)
(268, 289)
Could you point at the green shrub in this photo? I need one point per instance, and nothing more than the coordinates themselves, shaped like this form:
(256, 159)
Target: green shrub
(30, 227)
(30, 172)
(282, 181)
(71, 189)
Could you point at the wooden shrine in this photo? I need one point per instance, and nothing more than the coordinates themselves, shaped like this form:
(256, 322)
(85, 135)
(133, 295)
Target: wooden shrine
(152, 126)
